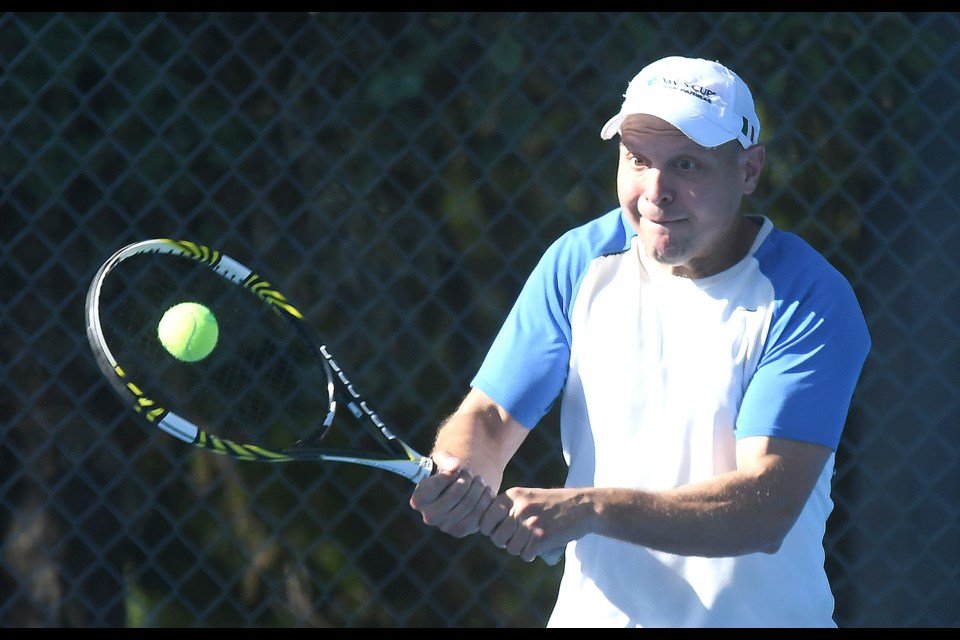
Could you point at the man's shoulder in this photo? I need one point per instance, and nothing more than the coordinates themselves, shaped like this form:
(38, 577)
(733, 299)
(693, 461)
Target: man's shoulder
(804, 277)
(608, 233)
(785, 256)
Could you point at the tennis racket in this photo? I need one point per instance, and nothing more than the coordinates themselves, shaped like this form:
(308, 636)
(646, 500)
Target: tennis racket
(269, 391)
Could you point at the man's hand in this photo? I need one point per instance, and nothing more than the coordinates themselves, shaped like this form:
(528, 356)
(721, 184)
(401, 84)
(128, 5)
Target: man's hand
(527, 522)
(452, 499)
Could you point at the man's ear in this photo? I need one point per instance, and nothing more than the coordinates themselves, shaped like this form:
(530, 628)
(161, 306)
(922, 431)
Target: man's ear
(751, 162)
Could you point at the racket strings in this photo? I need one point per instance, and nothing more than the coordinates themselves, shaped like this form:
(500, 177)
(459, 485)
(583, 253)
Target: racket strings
(267, 391)
(262, 384)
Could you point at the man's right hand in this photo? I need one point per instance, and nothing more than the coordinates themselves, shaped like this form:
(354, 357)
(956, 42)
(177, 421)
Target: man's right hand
(452, 499)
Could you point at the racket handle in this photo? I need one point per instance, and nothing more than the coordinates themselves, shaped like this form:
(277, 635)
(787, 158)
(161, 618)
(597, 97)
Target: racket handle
(552, 556)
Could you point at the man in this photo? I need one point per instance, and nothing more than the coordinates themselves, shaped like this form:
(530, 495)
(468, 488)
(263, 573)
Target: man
(705, 362)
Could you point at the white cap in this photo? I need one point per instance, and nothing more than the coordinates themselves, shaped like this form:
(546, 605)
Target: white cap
(705, 100)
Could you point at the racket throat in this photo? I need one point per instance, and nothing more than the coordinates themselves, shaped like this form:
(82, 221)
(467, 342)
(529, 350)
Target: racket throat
(415, 469)
(315, 438)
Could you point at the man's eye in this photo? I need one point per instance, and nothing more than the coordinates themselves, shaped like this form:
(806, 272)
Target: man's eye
(637, 162)
(686, 165)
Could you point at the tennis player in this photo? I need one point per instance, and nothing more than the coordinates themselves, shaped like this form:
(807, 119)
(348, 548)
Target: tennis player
(705, 361)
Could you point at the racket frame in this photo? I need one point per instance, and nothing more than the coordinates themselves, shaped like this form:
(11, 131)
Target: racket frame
(397, 457)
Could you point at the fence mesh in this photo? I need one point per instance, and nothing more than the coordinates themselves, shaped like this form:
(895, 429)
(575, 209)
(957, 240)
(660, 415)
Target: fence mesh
(401, 173)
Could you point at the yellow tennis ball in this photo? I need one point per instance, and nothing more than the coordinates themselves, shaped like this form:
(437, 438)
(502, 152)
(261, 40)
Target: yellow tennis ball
(189, 331)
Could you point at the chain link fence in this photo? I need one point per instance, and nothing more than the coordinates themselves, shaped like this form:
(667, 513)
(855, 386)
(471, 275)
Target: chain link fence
(401, 173)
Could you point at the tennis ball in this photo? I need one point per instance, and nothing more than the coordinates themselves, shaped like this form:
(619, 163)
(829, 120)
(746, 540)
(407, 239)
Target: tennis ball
(188, 331)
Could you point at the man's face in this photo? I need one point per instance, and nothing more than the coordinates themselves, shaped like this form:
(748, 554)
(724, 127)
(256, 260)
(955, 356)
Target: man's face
(684, 199)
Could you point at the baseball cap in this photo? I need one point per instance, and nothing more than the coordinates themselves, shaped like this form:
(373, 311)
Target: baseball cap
(705, 100)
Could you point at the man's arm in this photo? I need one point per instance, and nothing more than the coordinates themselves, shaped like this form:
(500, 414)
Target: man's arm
(744, 511)
(472, 448)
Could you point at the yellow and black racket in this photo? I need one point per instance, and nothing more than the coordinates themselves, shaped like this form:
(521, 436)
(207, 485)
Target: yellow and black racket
(269, 390)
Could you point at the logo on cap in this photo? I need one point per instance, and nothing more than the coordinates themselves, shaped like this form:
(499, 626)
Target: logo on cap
(704, 93)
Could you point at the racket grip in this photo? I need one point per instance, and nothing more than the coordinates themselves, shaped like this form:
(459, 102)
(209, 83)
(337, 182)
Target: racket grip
(552, 556)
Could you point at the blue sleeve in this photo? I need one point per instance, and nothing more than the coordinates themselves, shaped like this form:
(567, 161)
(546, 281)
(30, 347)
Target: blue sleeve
(814, 353)
(526, 367)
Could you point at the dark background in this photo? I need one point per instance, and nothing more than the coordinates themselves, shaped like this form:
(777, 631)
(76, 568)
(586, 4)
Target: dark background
(401, 173)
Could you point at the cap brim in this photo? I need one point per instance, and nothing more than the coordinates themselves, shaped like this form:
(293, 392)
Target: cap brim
(707, 133)
(612, 126)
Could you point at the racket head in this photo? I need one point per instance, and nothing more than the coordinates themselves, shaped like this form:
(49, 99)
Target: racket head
(269, 391)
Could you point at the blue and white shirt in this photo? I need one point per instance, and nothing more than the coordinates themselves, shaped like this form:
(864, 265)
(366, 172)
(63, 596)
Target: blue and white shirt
(659, 376)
